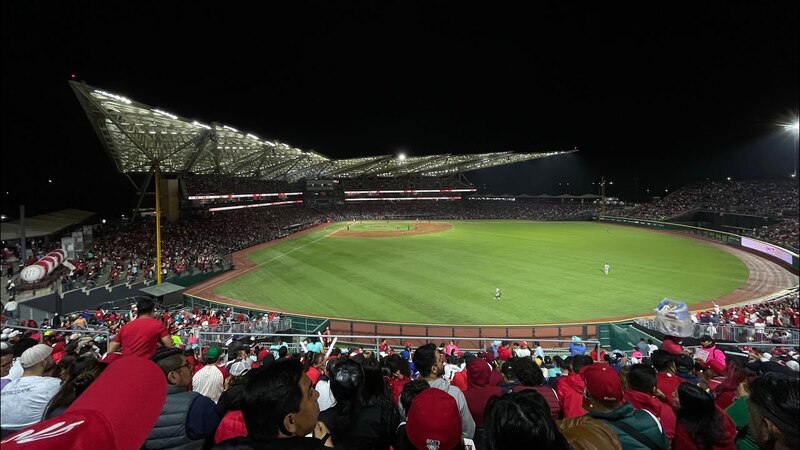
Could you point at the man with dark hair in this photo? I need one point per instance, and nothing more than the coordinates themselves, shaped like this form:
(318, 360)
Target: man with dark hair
(210, 380)
(401, 374)
(570, 388)
(141, 336)
(280, 408)
(643, 394)
(774, 405)
(187, 418)
(666, 379)
(428, 361)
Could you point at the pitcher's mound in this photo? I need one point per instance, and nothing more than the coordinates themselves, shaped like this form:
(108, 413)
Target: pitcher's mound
(417, 229)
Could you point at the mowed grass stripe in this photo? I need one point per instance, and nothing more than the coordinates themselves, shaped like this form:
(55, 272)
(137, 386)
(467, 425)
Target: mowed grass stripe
(548, 272)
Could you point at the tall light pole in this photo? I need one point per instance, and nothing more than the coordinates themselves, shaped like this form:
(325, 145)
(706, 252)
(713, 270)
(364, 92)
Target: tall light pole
(794, 128)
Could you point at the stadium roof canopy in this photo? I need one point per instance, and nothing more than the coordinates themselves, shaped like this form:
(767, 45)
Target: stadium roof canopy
(44, 224)
(137, 136)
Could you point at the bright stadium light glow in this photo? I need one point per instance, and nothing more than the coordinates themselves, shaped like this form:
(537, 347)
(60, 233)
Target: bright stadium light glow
(164, 113)
(201, 125)
(230, 128)
(252, 136)
(793, 127)
(401, 156)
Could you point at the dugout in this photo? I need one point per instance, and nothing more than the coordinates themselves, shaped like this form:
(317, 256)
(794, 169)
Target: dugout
(167, 294)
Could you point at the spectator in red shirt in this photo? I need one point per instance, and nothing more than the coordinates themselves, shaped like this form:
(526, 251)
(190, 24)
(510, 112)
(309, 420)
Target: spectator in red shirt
(667, 380)
(141, 336)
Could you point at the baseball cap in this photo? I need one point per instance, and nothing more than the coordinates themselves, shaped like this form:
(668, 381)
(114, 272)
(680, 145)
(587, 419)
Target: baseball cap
(684, 363)
(35, 355)
(239, 368)
(576, 339)
(602, 382)
(523, 344)
(92, 421)
(213, 353)
(433, 421)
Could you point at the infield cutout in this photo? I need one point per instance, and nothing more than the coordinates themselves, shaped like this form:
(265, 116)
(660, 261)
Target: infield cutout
(416, 230)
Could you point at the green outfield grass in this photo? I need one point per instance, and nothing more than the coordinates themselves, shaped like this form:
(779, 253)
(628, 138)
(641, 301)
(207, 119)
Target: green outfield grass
(548, 272)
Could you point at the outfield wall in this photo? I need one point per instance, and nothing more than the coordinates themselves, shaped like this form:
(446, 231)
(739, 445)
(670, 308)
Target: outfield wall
(781, 256)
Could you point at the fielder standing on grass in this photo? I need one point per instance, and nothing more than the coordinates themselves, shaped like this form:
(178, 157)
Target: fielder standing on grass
(605, 268)
(497, 294)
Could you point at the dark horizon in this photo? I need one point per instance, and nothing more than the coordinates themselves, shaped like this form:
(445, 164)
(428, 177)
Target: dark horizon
(653, 97)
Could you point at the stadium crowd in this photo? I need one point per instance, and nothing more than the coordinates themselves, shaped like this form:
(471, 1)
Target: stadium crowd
(777, 199)
(249, 394)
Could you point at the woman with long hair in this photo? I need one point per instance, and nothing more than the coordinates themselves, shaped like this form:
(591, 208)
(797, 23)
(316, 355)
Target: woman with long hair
(521, 420)
(701, 425)
(82, 373)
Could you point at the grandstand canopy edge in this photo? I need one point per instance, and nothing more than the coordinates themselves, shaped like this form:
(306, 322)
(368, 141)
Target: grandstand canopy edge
(44, 224)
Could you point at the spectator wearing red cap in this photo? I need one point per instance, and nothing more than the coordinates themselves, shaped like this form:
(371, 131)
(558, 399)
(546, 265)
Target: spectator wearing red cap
(141, 336)
(635, 428)
(701, 424)
(187, 418)
(522, 420)
(642, 393)
(280, 409)
(428, 361)
(479, 391)
(671, 344)
(570, 388)
(434, 422)
(523, 350)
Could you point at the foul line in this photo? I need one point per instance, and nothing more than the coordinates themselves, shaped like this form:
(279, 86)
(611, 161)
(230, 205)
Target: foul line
(265, 262)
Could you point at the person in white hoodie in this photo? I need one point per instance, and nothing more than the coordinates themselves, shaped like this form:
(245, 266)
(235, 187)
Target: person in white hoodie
(428, 360)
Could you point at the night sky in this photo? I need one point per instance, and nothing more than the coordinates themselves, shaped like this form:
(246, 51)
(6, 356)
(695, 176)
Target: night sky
(653, 95)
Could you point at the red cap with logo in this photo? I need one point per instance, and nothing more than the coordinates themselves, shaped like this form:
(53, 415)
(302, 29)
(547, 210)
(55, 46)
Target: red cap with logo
(434, 421)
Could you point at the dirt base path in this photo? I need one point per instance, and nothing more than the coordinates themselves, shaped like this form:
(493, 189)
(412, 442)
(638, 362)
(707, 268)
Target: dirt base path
(766, 277)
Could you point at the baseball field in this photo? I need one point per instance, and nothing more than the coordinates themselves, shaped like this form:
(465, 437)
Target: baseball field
(447, 272)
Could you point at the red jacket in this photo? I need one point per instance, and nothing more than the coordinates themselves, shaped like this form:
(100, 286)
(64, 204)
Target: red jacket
(570, 395)
(670, 344)
(479, 391)
(668, 383)
(683, 441)
(663, 411)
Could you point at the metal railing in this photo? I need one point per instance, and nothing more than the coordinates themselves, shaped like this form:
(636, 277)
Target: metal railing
(743, 334)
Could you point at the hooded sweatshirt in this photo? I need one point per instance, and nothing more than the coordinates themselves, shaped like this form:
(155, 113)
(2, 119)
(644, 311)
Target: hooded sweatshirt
(479, 391)
(467, 422)
(727, 442)
(570, 395)
(663, 411)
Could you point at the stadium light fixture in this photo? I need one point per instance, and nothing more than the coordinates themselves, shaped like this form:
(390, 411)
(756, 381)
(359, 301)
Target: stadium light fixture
(728, 178)
(792, 127)
(401, 156)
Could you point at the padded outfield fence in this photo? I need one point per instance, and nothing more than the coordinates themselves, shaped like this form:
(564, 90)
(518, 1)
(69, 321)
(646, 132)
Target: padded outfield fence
(782, 256)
